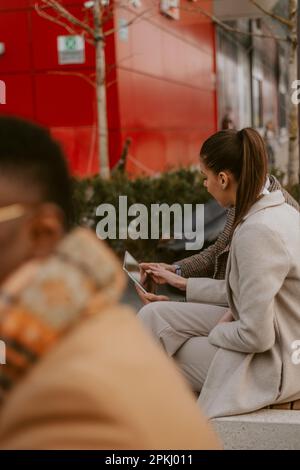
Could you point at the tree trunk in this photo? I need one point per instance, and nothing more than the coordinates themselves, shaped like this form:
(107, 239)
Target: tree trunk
(293, 165)
(102, 130)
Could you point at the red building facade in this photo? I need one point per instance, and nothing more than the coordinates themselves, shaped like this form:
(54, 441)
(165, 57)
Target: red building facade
(161, 86)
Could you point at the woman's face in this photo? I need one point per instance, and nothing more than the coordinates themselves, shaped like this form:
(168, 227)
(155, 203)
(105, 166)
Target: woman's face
(222, 186)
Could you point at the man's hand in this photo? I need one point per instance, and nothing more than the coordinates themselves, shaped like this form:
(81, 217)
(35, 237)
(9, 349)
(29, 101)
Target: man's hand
(168, 267)
(164, 276)
(227, 317)
(148, 280)
(148, 298)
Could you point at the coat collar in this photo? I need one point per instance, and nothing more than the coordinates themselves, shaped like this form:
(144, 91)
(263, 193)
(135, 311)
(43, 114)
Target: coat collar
(274, 198)
(45, 299)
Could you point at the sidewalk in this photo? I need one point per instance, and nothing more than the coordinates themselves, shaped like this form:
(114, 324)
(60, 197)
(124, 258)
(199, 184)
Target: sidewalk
(261, 430)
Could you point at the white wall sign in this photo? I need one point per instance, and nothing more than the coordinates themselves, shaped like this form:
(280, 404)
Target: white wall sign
(71, 50)
(170, 8)
(123, 29)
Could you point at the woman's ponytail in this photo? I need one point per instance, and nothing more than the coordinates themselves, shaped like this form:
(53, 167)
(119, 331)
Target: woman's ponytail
(253, 172)
(244, 154)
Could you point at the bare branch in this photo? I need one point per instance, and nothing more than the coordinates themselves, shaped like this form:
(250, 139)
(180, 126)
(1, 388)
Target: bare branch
(109, 84)
(74, 74)
(278, 18)
(57, 21)
(48, 17)
(230, 29)
(108, 17)
(130, 22)
(293, 13)
(140, 165)
(56, 6)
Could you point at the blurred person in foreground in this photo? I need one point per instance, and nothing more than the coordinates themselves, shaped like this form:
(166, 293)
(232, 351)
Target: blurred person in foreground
(80, 371)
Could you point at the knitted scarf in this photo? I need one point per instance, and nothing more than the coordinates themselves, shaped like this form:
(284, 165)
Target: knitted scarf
(43, 300)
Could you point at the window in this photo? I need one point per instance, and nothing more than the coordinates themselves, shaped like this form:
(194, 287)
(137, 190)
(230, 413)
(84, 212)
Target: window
(170, 8)
(257, 103)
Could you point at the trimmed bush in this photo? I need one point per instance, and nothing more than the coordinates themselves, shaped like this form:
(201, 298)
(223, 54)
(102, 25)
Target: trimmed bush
(295, 192)
(184, 186)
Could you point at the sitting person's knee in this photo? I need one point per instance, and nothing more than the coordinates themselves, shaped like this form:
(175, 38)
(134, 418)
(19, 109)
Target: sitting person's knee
(146, 312)
(153, 308)
(151, 314)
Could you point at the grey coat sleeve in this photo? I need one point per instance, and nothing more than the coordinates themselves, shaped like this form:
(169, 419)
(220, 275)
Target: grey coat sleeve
(263, 263)
(207, 291)
(203, 264)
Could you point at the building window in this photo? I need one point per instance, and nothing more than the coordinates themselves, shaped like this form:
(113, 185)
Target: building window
(170, 8)
(257, 103)
(282, 111)
(283, 90)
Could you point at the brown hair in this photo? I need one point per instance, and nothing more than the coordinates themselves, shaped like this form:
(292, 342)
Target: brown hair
(243, 153)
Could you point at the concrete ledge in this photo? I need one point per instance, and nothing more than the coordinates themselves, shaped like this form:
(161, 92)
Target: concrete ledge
(263, 430)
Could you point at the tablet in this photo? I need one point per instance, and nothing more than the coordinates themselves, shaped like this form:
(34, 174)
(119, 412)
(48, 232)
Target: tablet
(131, 266)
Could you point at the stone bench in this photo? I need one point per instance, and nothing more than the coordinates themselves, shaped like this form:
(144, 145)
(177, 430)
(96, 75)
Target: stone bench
(267, 429)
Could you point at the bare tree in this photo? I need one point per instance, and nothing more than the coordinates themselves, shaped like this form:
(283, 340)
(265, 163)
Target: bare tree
(290, 25)
(92, 28)
(93, 32)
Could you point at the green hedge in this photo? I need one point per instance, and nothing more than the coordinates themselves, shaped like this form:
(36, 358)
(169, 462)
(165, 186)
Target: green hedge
(295, 192)
(184, 186)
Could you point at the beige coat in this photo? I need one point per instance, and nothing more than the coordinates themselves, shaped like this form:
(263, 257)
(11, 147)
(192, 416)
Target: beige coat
(254, 367)
(105, 385)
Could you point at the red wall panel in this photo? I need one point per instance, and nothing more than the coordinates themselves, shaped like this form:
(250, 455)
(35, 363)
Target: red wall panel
(58, 96)
(167, 95)
(15, 34)
(19, 95)
(21, 4)
(64, 100)
(14, 4)
(79, 144)
(44, 39)
(160, 85)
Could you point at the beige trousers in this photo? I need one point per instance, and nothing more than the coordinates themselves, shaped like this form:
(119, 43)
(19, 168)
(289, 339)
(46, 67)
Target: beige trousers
(182, 329)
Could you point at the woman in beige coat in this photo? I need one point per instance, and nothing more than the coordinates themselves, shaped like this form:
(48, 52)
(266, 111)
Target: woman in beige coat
(235, 339)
